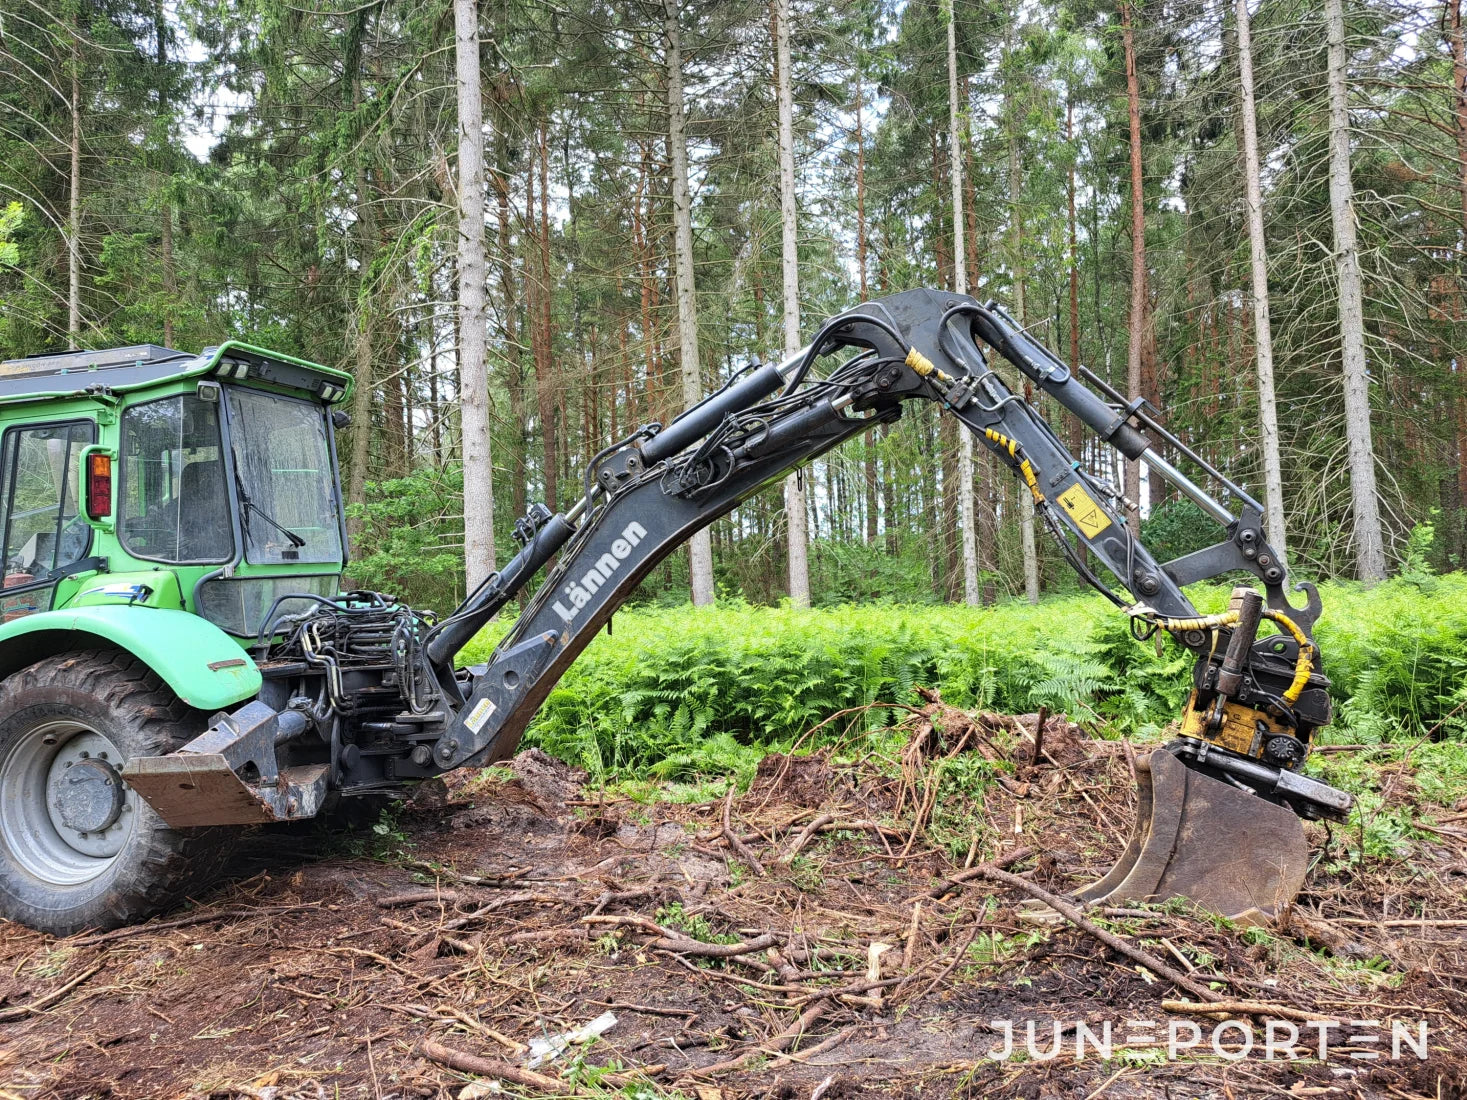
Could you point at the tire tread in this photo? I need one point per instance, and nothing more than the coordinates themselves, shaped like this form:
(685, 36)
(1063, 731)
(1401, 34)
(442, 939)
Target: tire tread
(175, 863)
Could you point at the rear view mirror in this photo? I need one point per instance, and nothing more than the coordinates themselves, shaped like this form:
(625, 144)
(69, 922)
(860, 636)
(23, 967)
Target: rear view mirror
(340, 418)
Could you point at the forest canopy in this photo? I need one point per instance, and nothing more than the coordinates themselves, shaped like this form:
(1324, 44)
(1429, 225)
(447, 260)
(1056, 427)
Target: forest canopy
(189, 171)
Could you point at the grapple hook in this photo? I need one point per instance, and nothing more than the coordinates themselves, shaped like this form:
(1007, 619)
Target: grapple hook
(1305, 616)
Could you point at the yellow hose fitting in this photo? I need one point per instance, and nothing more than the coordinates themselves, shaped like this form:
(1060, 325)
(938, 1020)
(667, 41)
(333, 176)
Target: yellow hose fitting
(1205, 622)
(925, 367)
(1028, 472)
(1025, 468)
(920, 363)
(1003, 441)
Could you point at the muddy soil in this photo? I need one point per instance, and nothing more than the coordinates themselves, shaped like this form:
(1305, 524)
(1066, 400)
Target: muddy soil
(806, 938)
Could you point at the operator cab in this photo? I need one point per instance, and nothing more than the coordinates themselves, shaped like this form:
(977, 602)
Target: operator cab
(219, 468)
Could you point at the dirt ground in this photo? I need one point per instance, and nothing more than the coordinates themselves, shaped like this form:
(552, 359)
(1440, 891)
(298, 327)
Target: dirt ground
(814, 936)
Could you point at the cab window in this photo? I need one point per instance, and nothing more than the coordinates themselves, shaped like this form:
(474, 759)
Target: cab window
(42, 528)
(173, 503)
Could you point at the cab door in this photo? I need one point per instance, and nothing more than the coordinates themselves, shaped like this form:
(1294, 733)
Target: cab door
(42, 530)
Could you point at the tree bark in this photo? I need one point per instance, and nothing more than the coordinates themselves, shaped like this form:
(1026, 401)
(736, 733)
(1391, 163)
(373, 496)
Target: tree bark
(641, 212)
(1016, 237)
(1459, 114)
(514, 367)
(395, 418)
(700, 547)
(165, 204)
(794, 493)
(435, 411)
(955, 114)
(949, 576)
(872, 477)
(73, 216)
(1077, 428)
(1137, 320)
(1459, 100)
(1369, 544)
(363, 335)
(473, 374)
(986, 520)
(861, 249)
(1268, 419)
(547, 385)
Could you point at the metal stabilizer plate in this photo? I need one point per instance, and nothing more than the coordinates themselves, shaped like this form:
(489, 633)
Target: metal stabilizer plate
(1204, 840)
(193, 789)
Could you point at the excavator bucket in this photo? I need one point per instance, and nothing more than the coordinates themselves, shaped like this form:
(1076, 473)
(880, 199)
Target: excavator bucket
(1204, 840)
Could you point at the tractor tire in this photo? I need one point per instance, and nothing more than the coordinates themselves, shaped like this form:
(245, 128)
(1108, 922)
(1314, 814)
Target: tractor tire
(78, 848)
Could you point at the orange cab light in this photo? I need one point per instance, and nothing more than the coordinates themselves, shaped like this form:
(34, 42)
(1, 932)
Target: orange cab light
(99, 485)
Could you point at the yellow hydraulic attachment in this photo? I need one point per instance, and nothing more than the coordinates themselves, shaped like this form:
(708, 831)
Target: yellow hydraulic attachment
(1203, 832)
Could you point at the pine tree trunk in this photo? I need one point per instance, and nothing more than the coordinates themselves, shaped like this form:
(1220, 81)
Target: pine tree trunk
(964, 481)
(1459, 114)
(952, 563)
(1459, 97)
(361, 414)
(985, 519)
(1016, 238)
(363, 341)
(1369, 544)
(1077, 428)
(547, 383)
(889, 507)
(700, 547)
(395, 418)
(640, 213)
(514, 367)
(1268, 418)
(1077, 433)
(860, 188)
(941, 241)
(872, 476)
(73, 216)
(970, 205)
(435, 410)
(165, 205)
(1137, 320)
(472, 305)
(794, 493)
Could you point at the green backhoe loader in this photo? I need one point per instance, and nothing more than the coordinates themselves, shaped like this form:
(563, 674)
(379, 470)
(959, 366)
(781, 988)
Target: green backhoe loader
(178, 658)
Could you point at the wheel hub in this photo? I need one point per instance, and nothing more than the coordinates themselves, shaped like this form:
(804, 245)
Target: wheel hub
(85, 795)
(67, 810)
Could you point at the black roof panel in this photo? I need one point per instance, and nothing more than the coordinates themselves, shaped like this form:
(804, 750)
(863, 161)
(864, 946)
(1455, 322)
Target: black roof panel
(73, 373)
(69, 362)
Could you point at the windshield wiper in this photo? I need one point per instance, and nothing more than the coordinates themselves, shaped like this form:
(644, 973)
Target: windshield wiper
(295, 540)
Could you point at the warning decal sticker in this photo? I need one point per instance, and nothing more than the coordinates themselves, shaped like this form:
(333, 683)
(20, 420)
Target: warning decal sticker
(482, 712)
(1083, 510)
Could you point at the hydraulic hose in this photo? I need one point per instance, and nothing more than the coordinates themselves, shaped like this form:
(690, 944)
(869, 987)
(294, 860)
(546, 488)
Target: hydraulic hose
(1303, 664)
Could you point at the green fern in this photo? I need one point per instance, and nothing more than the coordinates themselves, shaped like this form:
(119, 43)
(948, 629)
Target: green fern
(703, 692)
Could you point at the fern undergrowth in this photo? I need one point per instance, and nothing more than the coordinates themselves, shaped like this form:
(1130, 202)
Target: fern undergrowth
(683, 693)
